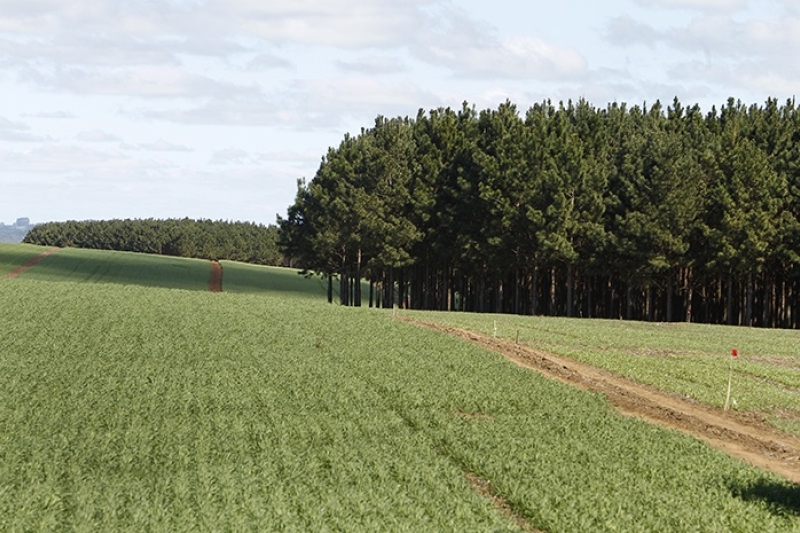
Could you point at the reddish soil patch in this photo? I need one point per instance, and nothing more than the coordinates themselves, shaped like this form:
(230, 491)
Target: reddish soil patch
(215, 281)
(744, 435)
(30, 263)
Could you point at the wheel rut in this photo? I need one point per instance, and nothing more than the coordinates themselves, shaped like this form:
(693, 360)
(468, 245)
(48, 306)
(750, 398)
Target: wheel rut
(744, 435)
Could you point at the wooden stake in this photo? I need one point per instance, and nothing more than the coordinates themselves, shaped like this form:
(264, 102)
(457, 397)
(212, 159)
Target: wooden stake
(730, 378)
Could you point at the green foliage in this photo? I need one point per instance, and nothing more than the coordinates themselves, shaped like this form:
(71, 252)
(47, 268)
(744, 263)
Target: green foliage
(644, 212)
(201, 239)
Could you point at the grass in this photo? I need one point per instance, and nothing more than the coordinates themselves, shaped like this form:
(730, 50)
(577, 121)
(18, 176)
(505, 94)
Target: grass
(690, 359)
(126, 407)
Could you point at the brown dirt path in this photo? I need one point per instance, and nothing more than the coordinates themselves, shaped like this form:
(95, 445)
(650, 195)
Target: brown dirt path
(31, 263)
(215, 281)
(740, 434)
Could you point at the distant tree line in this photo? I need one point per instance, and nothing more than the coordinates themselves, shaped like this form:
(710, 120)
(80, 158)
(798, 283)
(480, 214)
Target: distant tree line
(635, 212)
(203, 239)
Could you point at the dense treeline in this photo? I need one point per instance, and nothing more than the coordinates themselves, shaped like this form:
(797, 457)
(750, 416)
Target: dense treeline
(625, 212)
(203, 239)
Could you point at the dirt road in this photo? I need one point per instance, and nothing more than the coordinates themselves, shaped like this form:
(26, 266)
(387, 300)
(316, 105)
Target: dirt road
(739, 434)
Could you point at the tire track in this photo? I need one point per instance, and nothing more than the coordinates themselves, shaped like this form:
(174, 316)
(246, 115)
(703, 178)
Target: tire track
(16, 272)
(739, 434)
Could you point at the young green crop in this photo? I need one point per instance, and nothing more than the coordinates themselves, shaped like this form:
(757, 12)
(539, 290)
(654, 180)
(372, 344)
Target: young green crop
(689, 359)
(13, 256)
(131, 408)
(125, 268)
(245, 278)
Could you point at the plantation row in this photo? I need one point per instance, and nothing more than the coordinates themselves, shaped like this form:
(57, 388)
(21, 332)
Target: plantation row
(202, 239)
(136, 408)
(639, 213)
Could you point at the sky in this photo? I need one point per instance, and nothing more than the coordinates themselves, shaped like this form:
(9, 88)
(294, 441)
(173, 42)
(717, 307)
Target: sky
(214, 109)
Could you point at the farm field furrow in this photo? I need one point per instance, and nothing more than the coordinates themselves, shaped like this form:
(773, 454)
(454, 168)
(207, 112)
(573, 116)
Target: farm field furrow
(131, 408)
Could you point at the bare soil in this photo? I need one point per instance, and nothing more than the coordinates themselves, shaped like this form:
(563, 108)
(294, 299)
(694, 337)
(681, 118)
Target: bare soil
(215, 281)
(31, 263)
(744, 435)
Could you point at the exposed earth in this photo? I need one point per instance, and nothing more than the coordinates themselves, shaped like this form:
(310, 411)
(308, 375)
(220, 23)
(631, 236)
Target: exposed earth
(739, 434)
(215, 281)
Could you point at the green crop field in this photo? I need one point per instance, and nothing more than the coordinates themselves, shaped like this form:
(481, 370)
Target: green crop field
(690, 359)
(13, 256)
(245, 278)
(135, 407)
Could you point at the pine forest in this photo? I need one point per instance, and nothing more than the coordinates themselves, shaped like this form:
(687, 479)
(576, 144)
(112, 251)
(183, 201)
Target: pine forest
(633, 212)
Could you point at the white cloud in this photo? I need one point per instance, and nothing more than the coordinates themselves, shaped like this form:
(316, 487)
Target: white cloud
(724, 41)
(164, 146)
(14, 131)
(341, 23)
(146, 81)
(374, 64)
(472, 49)
(703, 5)
(59, 115)
(96, 136)
(230, 156)
(60, 160)
(330, 102)
(266, 61)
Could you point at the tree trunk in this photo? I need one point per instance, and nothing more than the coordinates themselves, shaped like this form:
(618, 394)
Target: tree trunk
(629, 301)
(570, 290)
(689, 294)
(589, 284)
(357, 281)
(729, 303)
(670, 290)
(748, 306)
(371, 293)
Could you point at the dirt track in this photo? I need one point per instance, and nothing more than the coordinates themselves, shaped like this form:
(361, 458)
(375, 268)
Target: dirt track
(215, 281)
(739, 434)
(31, 263)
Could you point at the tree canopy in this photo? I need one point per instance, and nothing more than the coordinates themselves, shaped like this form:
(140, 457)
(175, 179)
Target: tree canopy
(627, 212)
(202, 239)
